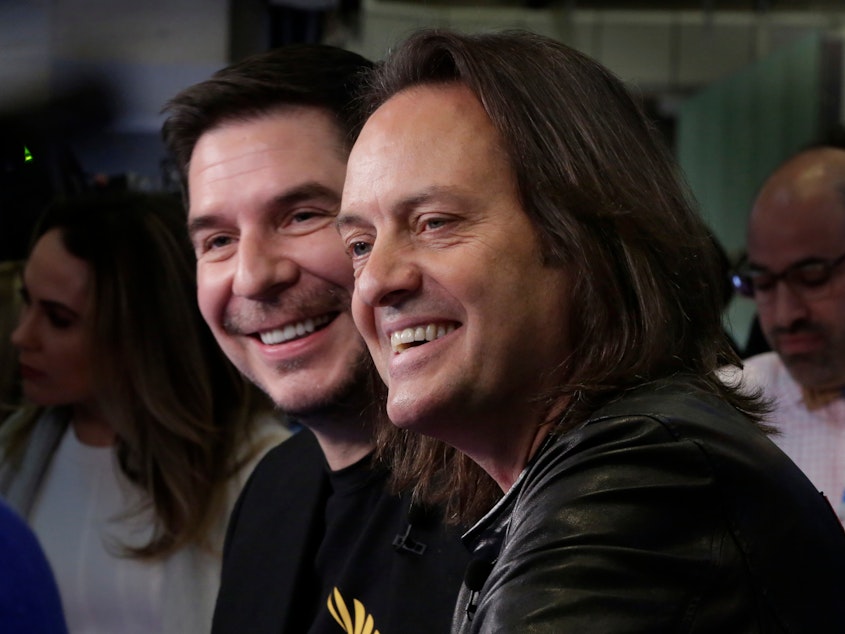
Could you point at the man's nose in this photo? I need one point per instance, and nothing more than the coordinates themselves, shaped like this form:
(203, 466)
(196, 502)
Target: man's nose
(389, 274)
(263, 266)
(788, 304)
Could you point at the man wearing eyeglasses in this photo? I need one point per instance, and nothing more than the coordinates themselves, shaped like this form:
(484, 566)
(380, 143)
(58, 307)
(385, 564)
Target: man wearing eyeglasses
(796, 275)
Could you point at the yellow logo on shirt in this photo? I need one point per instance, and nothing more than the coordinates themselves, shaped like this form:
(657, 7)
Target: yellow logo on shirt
(363, 622)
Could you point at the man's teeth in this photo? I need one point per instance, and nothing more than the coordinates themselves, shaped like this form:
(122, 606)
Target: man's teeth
(403, 339)
(293, 331)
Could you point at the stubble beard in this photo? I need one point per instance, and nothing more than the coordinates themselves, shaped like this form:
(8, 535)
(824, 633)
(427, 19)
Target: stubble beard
(351, 397)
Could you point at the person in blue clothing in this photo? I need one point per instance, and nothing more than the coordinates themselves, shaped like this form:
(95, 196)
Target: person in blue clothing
(29, 597)
(537, 290)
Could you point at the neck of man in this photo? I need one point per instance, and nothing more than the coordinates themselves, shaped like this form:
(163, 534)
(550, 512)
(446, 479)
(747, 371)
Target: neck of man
(345, 433)
(504, 440)
(506, 466)
(342, 450)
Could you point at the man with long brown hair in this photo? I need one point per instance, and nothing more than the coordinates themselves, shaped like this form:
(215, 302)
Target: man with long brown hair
(537, 290)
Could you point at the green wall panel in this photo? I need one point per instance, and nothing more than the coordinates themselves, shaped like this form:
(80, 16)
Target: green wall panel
(731, 135)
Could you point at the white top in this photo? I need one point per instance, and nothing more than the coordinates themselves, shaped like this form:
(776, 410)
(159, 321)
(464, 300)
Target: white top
(814, 439)
(77, 518)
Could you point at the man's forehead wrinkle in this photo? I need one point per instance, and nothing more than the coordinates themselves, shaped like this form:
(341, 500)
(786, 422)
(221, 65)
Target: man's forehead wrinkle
(225, 164)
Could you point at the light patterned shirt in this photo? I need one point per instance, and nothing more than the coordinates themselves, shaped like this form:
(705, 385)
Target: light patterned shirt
(813, 438)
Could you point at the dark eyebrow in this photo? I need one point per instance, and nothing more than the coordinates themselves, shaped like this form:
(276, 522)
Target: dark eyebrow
(349, 220)
(311, 190)
(196, 225)
(802, 262)
(435, 193)
(308, 191)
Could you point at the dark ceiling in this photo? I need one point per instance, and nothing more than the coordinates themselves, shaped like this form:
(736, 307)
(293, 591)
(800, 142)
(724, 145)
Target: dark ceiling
(662, 5)
(725, 5)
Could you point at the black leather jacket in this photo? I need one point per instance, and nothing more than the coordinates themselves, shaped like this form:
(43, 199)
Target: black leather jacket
(668, 511)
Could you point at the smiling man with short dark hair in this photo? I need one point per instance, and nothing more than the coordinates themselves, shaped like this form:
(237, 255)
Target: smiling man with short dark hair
(319, 541)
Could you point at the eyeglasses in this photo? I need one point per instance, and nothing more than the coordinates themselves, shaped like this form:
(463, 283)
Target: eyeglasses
(809, 278)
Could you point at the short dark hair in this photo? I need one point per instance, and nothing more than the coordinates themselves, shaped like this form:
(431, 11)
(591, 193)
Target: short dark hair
(309, 75)
(607, 200)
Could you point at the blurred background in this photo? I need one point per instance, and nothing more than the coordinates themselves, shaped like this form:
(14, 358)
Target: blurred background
(735, 86)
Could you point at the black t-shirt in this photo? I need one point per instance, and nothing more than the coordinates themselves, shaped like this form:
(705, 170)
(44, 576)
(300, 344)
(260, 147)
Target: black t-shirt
(312, 552)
